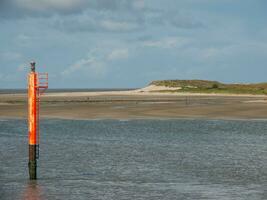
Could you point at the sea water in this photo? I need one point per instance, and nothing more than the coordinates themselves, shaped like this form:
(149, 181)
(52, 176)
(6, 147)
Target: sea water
(136, 159)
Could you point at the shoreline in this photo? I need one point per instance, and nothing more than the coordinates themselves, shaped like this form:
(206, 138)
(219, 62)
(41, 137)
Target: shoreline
(127, 105)
(3, 118)
(134, 93)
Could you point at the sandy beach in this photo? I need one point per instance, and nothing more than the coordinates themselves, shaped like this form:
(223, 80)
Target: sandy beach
(137, 104)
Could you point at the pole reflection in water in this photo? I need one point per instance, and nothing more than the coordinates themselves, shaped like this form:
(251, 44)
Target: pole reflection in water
(32, 192)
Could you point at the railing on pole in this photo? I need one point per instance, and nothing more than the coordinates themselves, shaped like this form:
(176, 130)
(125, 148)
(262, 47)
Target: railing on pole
(42, 85)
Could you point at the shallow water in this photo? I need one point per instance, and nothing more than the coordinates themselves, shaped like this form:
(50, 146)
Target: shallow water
(137, 159)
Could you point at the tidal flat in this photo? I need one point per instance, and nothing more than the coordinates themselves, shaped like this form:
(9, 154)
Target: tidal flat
(132, 105)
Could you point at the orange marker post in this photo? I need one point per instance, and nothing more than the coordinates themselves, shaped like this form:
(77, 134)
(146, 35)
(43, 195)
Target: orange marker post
(37, 84)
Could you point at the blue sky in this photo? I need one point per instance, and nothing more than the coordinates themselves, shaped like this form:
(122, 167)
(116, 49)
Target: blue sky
(128, 43)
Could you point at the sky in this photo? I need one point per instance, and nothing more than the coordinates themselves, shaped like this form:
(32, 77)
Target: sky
(129, 43)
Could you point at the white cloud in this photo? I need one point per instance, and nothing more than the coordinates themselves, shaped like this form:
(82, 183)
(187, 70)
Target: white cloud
(41, 5)
(112, 25)
(210, 52)
(23, 37)
(118, 54)
(95, 64)
(10, 56)
(89, 65)
(169, 42)
(99, 22)
(139, 4)
(32, 8)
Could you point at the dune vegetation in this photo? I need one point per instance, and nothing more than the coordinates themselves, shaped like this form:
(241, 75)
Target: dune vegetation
(212, 87)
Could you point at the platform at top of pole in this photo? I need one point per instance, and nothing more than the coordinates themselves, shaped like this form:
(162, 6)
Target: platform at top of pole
(41, 80)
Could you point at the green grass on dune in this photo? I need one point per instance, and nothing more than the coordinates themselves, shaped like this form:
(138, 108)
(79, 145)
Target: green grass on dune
(212, 87)
(223, 91)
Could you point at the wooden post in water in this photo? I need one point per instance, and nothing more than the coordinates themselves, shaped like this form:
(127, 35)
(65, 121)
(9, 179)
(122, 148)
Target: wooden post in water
(37, 84)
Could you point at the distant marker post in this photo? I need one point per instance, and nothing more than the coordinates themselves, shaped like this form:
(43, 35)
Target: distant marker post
(37, 84)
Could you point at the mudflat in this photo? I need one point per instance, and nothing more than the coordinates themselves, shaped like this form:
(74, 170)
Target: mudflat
(133, 105)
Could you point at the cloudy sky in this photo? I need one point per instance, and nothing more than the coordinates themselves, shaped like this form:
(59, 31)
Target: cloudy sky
(128, 43)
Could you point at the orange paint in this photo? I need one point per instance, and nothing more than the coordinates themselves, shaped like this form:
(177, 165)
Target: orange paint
(32, 107)
(37, 84)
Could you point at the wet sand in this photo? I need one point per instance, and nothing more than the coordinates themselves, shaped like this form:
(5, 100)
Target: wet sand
(130, 105)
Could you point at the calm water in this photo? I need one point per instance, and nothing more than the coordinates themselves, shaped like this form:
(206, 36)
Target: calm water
(139, 159)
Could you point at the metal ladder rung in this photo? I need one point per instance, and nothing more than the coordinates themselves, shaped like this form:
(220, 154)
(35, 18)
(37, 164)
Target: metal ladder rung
(37, 124)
